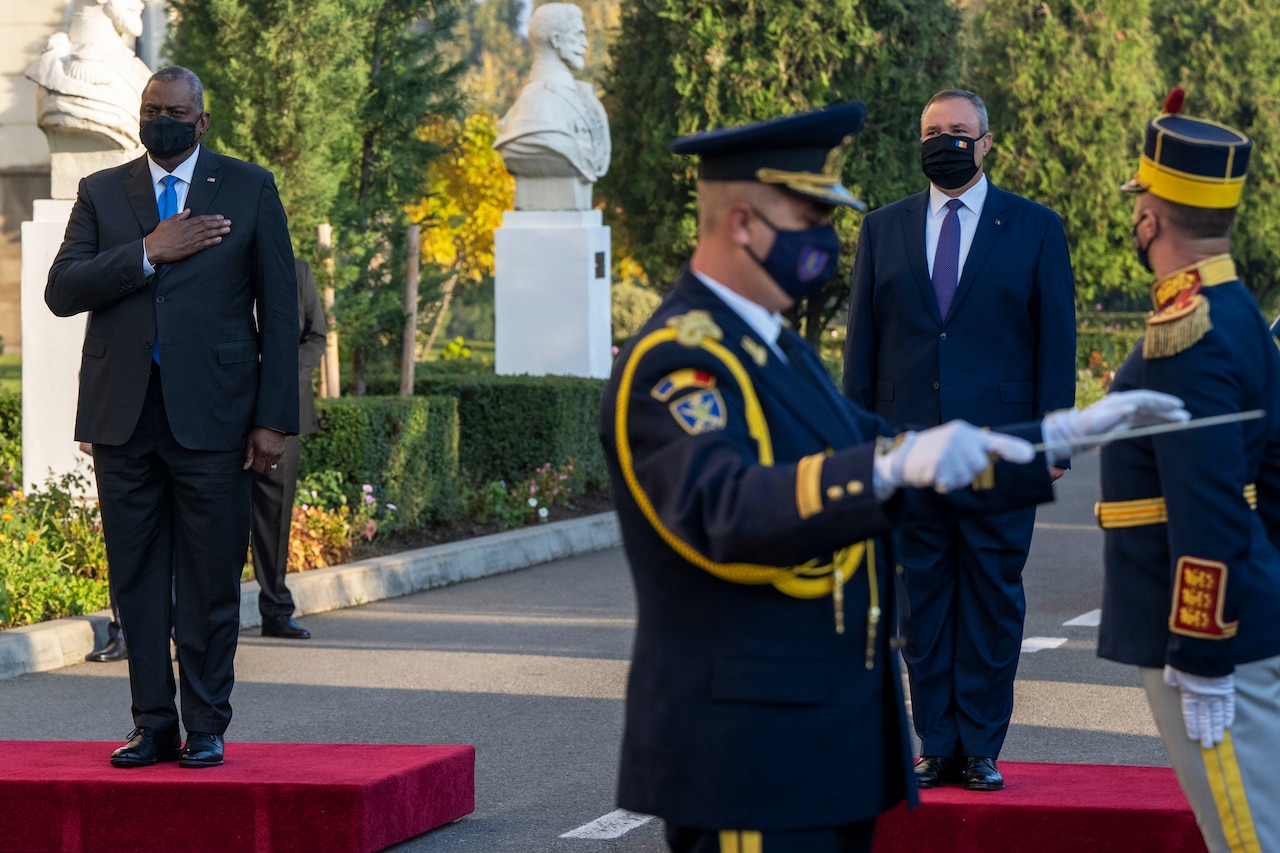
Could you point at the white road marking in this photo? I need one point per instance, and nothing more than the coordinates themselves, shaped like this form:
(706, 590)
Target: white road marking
(1092, 619)
(1035, 644)
(613, 825)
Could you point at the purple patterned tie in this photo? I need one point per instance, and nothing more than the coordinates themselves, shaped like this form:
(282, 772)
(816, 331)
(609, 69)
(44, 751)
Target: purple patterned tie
(946, 260)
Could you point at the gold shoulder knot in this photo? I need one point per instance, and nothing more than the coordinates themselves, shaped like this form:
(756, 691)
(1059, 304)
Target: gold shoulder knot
(1178, 326)
(694, 327)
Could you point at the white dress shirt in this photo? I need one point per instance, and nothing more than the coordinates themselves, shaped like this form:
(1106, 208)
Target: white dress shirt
(973, 199)
(184, 172)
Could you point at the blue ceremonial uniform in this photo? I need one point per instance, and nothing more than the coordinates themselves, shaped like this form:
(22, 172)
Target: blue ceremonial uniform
(744, 489)
(1213, 552)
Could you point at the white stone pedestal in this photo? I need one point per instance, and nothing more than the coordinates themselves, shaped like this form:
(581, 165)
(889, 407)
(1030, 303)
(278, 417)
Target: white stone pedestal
(551, 294)
(50, 355)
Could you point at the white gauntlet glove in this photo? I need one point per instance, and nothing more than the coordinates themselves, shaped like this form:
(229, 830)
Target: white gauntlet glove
(1121, 410)
(1208, 704)
(945, 457)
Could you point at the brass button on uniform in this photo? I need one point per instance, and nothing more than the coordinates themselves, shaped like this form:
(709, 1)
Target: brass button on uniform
(854, 487)
(834, 493)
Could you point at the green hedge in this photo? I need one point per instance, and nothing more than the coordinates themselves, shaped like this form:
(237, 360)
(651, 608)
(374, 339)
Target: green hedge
(11, 436)
(406, 445)
(511, 425)
(1114, 345)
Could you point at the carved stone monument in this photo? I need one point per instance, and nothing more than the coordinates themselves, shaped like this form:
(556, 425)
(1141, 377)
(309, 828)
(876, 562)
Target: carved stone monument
(552, 253)
(89, 87)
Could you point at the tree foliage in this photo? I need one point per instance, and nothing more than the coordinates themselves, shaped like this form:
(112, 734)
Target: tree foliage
(1226, 54)
(282, 82)
(682, 66)
(1069, 86)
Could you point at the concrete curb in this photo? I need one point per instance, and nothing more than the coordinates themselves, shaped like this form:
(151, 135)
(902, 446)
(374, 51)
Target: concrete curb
(53, 645)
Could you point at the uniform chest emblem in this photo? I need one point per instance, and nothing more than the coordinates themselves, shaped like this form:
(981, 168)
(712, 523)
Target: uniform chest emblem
(699, 411)
(811, 263)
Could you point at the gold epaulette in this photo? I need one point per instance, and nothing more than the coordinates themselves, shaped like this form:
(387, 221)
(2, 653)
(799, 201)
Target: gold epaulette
(1112, 515)
(695, 327)
(1182, 311)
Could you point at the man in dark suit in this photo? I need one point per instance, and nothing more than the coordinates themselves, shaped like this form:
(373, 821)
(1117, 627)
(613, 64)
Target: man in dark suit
(188, 380)
(274, 489)
(764, 705)
(962, 306)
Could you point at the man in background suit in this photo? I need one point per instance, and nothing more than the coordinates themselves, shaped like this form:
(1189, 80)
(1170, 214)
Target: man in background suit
(963, 307)
(274, 489)
(188, 380)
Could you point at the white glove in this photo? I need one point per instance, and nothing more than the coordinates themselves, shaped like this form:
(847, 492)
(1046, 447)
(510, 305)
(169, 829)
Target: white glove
(1208, 704)
(1121, 410)
(946, 457)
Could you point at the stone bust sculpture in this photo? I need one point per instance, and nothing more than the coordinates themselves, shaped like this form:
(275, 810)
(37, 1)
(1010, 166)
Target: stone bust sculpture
(555, 138)
(90, 83)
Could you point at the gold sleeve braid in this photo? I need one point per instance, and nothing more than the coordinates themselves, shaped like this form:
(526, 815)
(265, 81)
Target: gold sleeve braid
(810, 580)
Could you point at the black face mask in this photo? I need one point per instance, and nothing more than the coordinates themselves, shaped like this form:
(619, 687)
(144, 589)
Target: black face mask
(947, 161)
(164, 137)
(1141, 251)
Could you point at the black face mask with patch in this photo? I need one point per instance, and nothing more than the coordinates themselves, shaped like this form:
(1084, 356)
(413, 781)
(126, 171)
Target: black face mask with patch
(947, 161)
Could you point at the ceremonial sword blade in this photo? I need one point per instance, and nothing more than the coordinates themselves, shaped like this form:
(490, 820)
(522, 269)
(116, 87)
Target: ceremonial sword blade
(1157, 429)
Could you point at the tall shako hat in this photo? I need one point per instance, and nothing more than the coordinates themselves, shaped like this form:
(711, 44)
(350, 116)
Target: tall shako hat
(802, 153)
(1191, 161)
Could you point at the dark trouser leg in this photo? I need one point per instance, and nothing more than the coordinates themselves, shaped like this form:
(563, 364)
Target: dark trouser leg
(928, 586)
(991, 607)
(273, 495)
(211, 538)
(136, 504)
(851, 838)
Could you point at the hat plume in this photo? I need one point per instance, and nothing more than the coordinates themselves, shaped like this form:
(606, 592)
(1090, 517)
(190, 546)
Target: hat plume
(1173, 101)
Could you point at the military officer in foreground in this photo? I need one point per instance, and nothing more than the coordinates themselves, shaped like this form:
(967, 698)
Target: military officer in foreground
(764, 707)
(1192, 589)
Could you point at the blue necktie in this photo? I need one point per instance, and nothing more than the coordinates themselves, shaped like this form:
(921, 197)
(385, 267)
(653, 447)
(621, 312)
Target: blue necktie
(946, 260)
(168, 204)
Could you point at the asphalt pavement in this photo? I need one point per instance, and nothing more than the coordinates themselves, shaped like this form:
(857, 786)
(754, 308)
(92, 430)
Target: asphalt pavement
(530, 667)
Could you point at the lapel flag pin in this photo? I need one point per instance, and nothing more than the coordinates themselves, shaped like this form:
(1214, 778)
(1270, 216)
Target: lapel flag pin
(210, 180)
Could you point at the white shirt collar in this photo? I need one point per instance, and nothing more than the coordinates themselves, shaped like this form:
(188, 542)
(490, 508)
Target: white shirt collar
(184, 172)
(973, 198)
(765, 323)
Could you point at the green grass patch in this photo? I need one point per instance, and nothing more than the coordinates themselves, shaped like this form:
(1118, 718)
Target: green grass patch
(11, 373)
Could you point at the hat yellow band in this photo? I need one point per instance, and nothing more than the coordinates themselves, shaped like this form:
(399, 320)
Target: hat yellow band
(1191, 190)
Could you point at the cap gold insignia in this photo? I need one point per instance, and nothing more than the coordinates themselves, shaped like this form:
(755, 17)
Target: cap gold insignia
(694, 327)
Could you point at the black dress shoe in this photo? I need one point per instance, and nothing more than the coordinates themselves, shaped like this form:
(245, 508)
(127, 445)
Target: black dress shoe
(112, 651)
(147, 746)
(203, 749)
(933, 771)
(980, 774)
(287, 628)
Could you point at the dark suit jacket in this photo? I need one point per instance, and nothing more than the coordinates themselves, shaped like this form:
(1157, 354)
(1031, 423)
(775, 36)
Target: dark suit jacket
(224, 370)
(745, 707)
(1005, 353)
(311, 344)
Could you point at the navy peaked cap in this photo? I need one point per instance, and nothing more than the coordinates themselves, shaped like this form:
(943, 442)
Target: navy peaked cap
(803, 153)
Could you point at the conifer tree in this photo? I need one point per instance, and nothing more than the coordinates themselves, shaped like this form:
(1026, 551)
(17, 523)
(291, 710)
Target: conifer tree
(1226, 54)
(681, 66)
(1069, 86)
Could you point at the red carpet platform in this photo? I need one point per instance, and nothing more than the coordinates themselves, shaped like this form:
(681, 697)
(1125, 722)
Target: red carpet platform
(1050, 808)
(64, 797)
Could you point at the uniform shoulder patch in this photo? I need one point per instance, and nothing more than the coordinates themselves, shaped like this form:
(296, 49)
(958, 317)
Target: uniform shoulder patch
(699, 411)
(679, 380)
(1199, 596)
(694, 327)
(1178, 326)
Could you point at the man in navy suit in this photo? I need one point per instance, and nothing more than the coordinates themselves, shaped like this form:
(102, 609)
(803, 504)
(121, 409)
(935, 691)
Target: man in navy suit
(189, 379)
(756, 504)
(963, 307)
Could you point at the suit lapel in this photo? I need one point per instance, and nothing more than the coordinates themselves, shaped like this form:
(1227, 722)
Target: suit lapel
(142, 195)
(912, 225)
(994, 214)
(206, 180)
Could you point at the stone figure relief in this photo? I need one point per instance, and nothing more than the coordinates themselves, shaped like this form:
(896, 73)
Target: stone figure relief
(90, 82)
(555, 138)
